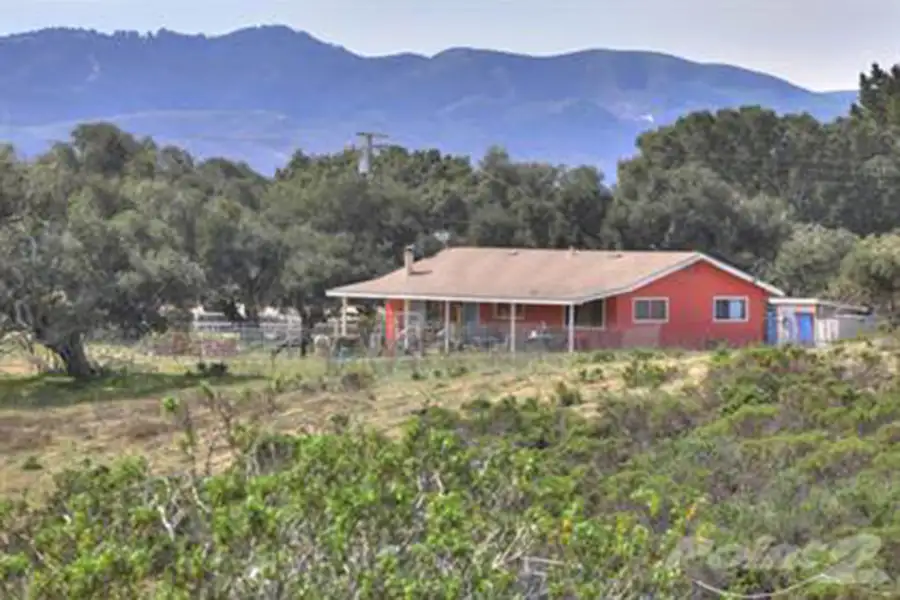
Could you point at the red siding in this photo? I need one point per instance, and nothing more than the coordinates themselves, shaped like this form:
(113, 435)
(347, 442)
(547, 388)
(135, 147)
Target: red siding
(691, 292)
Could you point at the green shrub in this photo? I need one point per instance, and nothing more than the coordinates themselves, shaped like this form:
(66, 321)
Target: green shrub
(603, 356)
(429, 515)
(216, 369)
(636, 494)
(567, 395)
(641, 372)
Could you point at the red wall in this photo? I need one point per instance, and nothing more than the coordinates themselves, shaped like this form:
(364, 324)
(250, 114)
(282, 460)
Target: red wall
(390, 312)
(691, 292)
(690, 325)
(393, 310)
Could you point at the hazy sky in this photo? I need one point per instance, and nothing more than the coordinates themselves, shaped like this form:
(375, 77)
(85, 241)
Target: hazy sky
(821, 44)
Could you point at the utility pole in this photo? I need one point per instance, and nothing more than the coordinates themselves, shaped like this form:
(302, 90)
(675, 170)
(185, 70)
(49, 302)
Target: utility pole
(368, 150)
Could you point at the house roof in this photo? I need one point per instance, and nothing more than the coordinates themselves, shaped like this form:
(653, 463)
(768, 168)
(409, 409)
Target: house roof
(534, 276)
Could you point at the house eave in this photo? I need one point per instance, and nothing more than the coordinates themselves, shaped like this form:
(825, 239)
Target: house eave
(466, 298)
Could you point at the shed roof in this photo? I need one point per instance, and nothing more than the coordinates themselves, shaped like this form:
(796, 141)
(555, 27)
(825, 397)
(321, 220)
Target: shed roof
(816, 302)
(525, 276)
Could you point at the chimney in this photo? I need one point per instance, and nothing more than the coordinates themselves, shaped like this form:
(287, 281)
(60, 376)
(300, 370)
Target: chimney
(409, 258)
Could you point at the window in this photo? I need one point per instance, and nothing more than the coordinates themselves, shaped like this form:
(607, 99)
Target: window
(501, 311)
(591, 314)
(730, 309)
(651, 310)
(434, 312)
(456, 312)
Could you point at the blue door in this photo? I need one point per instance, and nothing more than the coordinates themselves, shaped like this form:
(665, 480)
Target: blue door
(470, 322)
(771, 326)
(470, 314)
(805, 330)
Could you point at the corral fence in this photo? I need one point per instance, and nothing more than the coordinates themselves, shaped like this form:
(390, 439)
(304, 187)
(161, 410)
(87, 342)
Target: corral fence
(417, 337)
(213, 340)
(220, 340)
(248, 349)
(209, 340)
(414, 335)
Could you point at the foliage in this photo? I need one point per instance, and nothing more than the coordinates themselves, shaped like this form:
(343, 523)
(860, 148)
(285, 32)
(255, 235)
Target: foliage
(662, 494)
(434, 514)
(879, 96)
(872, 271)
(808, 261)
(641, 372)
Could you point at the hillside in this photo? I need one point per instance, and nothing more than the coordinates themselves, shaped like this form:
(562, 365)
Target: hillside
(259, 93)
(762, 471)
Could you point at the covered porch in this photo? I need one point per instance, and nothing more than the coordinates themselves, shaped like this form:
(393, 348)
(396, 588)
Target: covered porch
(414, 324)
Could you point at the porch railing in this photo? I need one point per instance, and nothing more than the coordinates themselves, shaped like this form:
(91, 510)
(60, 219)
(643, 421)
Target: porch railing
(422, 336)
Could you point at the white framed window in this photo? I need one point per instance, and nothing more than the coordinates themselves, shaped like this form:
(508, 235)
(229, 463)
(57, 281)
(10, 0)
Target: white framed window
(731, 309)
(650, 310)
(503, 311)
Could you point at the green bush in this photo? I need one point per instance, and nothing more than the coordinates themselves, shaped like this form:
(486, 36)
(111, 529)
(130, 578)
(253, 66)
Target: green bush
(756, 482)
(430, 515)
(642, 372)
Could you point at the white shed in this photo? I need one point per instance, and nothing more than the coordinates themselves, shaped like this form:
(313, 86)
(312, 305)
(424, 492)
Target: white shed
(815, 322)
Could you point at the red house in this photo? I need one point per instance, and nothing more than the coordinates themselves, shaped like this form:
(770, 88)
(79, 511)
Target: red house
(587, 299)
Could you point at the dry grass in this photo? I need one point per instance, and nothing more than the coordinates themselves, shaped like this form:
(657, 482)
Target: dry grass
(48, 423)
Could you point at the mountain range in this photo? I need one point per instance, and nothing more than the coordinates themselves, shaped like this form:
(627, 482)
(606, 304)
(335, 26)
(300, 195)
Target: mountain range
(257, 94)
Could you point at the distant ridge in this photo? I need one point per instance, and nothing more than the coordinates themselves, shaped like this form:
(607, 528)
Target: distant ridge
(259, 93)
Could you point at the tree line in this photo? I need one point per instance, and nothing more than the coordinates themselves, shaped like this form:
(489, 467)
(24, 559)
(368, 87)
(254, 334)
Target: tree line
(106, 230)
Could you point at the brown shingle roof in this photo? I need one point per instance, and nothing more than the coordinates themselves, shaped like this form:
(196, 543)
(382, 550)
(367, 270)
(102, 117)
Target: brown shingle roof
(527, 275)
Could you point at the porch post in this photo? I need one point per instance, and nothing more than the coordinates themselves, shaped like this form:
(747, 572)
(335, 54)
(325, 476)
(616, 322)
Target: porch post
(406, 324)
(571, 328)
(512, 327)
(447, 327)
(344, 306)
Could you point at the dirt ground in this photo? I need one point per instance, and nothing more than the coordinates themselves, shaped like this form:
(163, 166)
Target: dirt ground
(49, 423)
